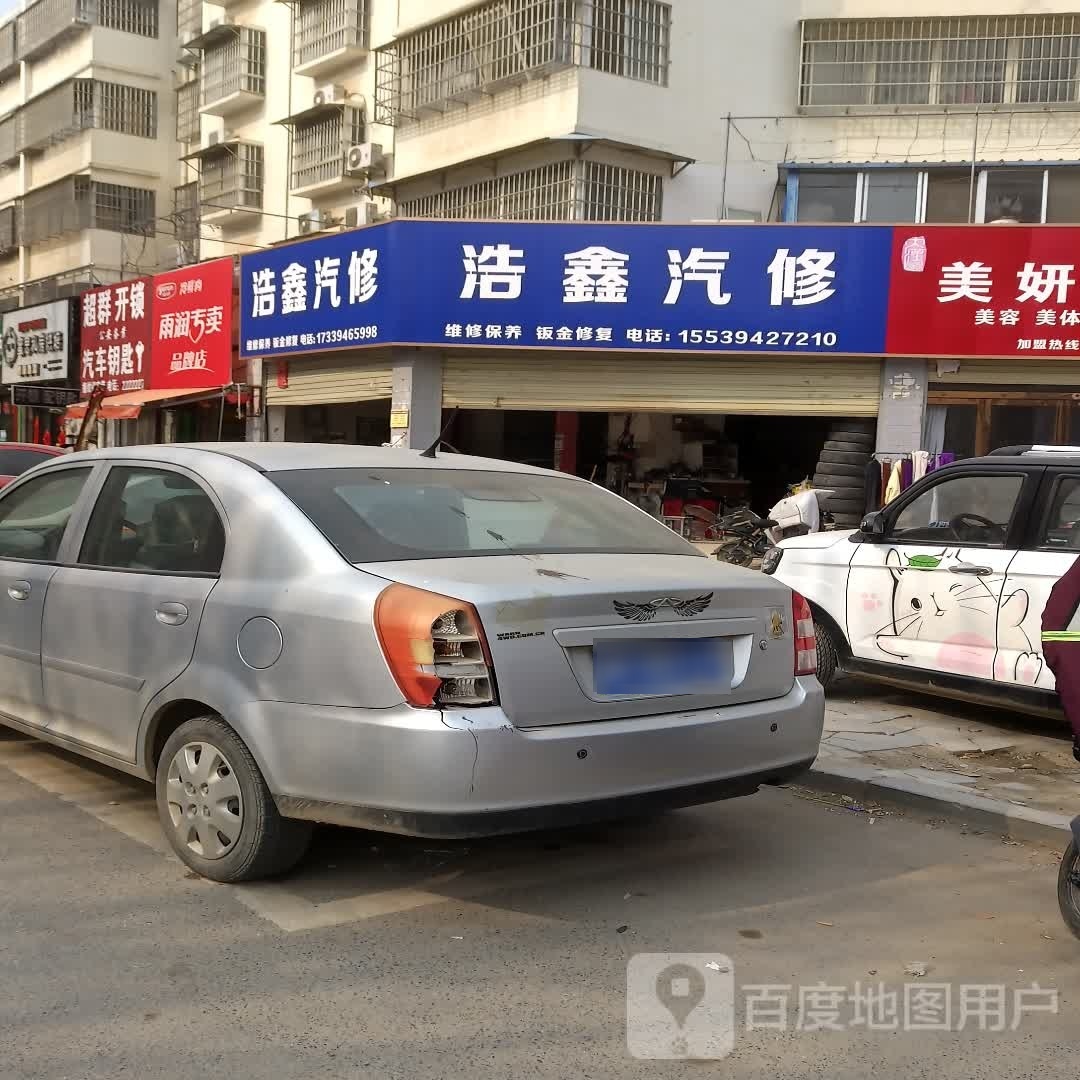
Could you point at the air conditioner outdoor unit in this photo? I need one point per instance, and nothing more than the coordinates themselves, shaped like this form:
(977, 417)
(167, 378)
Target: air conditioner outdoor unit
(311, 222)
(330, 94)
(363, 159)
(365, 213)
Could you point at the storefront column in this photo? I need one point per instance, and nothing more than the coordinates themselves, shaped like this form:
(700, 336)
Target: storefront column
(903, 406)
(417, 399)
(275, 423)
(255, 426)
(566, 439)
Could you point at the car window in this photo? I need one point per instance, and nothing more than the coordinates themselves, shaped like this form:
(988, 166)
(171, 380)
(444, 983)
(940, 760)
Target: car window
(1062, 528)
(971, 510)
(154, 520)
(14, 462)
(34, 515)
(372, 515)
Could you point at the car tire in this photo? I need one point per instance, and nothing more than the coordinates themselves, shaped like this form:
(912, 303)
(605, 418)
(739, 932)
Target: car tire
(847, 521)
(1068, 891)
(255, 841)
(856, 425)
(840, 457)
(845, 506)
(837, 470)
(828, 656)
(847, 445)
(864, 440)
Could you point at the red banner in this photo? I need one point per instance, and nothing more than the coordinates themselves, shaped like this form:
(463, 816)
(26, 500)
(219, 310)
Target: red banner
(115, 339)
(1001, 290)
(193, 320)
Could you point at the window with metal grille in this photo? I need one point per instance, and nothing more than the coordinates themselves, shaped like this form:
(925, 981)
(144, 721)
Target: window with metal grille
(9, 235)
(123, 209)
(507, 41)
(959, 61)
(131, 16)
(231, 177)
(186, 222)
(188, 19)
(326, 26)
(237, 65)
(561, 191)
(113, 106)
(319, 147)
(188, 127)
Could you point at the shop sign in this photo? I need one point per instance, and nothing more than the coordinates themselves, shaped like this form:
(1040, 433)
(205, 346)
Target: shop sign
(115, 340)
(399, 420)
(990, 291)
(660, 288)
(44, 397)
(36, 343)
(192, 336)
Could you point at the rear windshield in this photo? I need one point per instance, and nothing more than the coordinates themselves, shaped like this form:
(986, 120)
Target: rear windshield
(379, 515)
(14, 462)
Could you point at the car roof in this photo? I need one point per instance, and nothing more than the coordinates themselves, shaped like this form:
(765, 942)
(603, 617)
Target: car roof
(46, 451)
(284, 457)
(1040, 455)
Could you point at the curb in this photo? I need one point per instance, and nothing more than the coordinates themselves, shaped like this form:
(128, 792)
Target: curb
(993, 815)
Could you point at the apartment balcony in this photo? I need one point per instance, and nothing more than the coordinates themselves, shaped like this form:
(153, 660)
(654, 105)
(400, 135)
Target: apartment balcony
(231, 179)
(9, 57)
(321, 138)
(330, 35)
(46, 24)
(233, 69)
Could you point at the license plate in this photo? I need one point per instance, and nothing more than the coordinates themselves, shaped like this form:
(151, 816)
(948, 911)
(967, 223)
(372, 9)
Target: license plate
(661, 666)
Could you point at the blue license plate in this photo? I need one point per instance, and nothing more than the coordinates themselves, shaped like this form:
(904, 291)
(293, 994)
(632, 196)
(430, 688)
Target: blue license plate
(661, 666)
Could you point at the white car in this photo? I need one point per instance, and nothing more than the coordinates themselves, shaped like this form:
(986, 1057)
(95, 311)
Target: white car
(944, 589)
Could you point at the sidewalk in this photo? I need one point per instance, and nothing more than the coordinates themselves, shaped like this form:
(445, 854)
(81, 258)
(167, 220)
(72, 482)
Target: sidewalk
(994, 769)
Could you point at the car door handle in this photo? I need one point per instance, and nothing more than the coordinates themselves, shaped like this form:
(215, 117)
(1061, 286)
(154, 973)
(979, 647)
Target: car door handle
(171, 614)
(971, 571)
(19, 590)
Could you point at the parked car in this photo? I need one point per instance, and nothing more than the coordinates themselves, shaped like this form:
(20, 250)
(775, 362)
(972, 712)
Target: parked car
(16, 458)
(280, 634)
(944, 589)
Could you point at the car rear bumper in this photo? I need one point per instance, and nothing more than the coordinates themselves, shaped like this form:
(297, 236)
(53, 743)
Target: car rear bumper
(471, 773)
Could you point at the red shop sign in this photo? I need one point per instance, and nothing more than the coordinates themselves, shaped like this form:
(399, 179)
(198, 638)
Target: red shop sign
(115, 337)
(994, 290)
(193, 320)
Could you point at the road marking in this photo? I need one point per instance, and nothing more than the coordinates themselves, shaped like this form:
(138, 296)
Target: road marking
(128, 806)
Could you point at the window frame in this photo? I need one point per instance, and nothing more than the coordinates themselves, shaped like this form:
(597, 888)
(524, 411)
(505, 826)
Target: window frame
(1014, 531)
(1048, 492)
(76, 521)
(75, 559)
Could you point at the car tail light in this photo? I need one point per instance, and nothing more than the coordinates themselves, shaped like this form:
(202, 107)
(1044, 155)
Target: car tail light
(435, 647)
(802, 619)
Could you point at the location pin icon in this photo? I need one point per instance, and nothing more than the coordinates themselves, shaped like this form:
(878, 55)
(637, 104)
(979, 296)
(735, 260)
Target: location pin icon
(680, 989)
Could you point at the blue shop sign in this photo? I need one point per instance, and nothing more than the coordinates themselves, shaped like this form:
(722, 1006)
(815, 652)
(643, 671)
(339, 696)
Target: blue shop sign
(662, 288)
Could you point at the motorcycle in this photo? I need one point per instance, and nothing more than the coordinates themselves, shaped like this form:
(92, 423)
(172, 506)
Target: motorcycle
(743, 537)
(1069, 882)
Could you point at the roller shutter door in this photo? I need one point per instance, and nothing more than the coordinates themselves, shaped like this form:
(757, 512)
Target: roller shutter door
(329, 382)
(800, 386)
(1005, 373)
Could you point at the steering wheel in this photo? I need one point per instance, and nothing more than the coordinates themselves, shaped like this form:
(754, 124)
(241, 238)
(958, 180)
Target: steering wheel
(962, 522)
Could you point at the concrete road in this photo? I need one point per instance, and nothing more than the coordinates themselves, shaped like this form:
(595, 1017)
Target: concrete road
(387, 958)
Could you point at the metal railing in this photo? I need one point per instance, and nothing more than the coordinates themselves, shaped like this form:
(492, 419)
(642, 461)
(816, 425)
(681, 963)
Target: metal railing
(82, 104)
(48, 20)
(231, 178)
(976, 61)
(9, 229)
(79, 202)
(237, 65)
(188, 19)
(186, 223)
(325, 26)
(508, 41)
(9, 56)
(188, 127)
(561, 191)
(319, 147)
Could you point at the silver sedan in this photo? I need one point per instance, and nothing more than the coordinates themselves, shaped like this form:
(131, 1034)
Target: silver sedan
(444, 646)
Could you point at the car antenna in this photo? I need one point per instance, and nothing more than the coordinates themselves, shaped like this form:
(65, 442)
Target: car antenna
(431, 450)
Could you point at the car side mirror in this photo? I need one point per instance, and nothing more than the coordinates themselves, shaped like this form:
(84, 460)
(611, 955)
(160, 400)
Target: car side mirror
(873, 525)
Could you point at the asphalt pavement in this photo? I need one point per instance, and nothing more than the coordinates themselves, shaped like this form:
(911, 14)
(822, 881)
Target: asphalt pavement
(383, 957)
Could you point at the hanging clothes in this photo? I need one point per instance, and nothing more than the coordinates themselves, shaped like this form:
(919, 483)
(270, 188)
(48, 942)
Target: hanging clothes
(894, 486)
(920, 464)
(872, 481)
(905, 473)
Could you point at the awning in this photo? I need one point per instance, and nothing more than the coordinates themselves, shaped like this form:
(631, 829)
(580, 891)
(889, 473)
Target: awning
(128, 406)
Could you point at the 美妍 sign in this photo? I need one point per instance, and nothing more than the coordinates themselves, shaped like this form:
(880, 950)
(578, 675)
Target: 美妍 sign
(36, 343)
(114, 343)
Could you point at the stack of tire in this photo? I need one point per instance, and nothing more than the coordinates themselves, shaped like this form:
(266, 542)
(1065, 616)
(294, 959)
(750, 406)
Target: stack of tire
(842, 468)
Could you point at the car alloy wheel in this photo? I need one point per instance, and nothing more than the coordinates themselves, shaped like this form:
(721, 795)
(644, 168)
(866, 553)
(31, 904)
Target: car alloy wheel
(205, 804)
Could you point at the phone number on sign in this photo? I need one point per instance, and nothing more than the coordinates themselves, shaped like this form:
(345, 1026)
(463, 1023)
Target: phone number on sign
(334, 337)
(784, 338)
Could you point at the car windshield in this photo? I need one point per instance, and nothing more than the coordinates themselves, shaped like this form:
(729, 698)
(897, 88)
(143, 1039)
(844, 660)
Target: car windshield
(379, 515)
